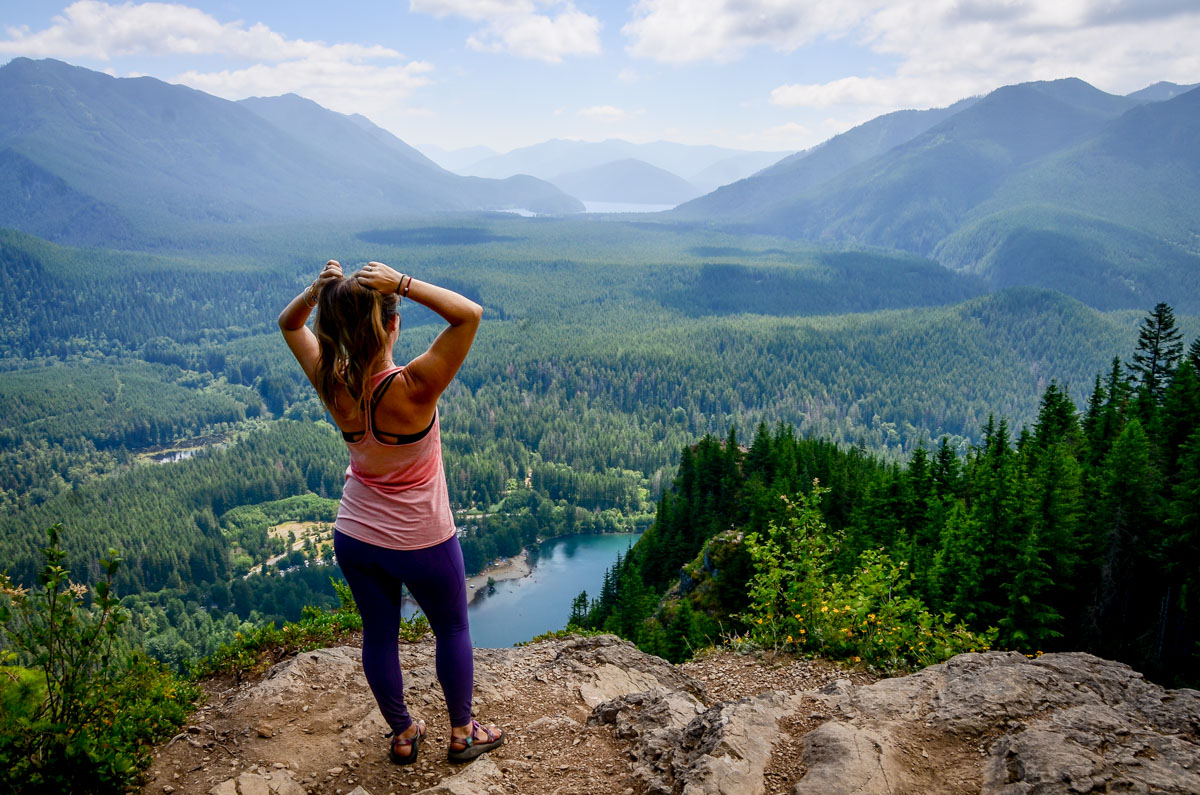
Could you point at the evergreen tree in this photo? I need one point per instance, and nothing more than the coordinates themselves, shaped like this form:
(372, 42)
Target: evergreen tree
(1180, 415)
(946, 470)
(1127, 603)
(1159, 348)
(579, 608)
(1181, 553)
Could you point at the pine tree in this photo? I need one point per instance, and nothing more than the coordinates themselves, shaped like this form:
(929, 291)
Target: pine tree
(1181, 553)
(1180, 415)
(1159, 348)
(579, 608)
(1127, 585)
(946, 470)
(1056, 418)
(1194, 354)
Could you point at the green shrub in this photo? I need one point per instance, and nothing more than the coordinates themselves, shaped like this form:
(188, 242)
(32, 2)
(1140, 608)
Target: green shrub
(77, 715)
(865, 616)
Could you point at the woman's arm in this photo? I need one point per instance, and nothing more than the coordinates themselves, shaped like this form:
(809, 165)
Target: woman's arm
(430, 373)
(299, 338)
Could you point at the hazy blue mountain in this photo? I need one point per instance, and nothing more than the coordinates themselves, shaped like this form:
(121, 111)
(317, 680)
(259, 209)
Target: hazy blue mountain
(1161, 91)
(36, 201)
(914, 194)
(629, 180)
(355, 141)
(796, 174)
(147, 154)
(1052, 184)
(558, 156)
(456, 160)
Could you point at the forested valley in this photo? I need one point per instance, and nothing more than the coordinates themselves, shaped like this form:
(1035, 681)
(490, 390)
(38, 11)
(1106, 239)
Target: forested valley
(150, 406)
(1080, 531)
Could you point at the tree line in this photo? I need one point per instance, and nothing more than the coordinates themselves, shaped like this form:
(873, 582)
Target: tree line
(1081, 531)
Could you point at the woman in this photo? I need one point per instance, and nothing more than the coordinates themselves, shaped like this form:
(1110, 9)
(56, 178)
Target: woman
(394, 525)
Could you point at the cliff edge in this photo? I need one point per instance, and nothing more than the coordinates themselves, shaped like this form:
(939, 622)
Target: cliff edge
(595, 715)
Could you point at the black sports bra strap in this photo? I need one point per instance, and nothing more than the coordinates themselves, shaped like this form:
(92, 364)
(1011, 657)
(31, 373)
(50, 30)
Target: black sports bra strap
(404, 438)
(397, 438)
(378, 394)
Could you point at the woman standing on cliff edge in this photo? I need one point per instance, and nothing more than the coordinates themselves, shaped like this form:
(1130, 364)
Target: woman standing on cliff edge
(394, 525)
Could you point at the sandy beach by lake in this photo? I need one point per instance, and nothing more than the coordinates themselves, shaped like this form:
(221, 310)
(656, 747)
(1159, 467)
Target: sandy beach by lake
(513, 568)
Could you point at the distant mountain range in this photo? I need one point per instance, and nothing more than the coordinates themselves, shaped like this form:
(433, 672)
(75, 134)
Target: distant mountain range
(1050, 184)
(1053, 184)
(626, 181)
(703, 167)
(85, 158)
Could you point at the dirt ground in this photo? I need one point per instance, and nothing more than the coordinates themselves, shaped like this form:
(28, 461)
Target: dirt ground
(327, 736)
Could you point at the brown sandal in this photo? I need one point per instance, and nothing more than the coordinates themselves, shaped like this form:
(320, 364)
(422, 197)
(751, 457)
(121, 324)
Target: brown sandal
(414, 742)
(473, 747)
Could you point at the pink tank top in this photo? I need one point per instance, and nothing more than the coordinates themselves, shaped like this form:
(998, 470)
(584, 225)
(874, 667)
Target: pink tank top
(395, 495)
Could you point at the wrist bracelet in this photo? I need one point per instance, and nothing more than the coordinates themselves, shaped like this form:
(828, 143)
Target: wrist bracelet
(405, 293)
(308, 294)
(399, 284)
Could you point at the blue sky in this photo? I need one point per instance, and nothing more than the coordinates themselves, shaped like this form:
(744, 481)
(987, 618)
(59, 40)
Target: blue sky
(750, 74)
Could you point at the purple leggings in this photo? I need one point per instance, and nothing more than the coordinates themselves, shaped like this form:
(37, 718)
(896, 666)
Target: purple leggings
(436, 579)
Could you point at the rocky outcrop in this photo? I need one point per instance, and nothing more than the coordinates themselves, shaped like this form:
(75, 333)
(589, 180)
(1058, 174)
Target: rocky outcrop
(996, 723)
(595, 715)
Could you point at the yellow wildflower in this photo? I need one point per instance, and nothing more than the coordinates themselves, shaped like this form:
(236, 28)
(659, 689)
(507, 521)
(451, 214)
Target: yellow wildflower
(824, 609)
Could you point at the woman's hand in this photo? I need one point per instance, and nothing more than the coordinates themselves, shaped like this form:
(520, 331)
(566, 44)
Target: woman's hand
(380, 277)
(330, 273)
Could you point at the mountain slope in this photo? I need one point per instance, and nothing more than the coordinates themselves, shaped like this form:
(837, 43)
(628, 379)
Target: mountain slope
(796, 174)
(627, 180)
(160, 155)
(1053, 184)
(914, 195)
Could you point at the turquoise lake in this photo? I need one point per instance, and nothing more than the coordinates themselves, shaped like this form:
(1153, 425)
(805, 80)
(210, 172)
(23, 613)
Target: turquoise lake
(519, 609)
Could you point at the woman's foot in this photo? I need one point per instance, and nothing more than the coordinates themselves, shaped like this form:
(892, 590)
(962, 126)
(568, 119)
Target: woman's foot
(468, 742)
(406, 744)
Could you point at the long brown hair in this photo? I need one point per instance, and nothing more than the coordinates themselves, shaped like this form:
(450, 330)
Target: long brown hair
(352, 330)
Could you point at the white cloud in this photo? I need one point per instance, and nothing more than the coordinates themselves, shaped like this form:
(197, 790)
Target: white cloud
(678, 31)
(628, 76)
(516, 26)
(943, 49)
(607, 113)
(340, 85)
(93, 29)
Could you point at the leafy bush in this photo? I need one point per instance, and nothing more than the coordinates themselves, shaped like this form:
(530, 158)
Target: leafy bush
(78, 715)
(865, 616)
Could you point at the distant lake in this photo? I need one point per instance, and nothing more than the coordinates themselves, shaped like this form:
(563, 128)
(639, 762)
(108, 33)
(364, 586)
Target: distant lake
(624, 207)
(520, 609)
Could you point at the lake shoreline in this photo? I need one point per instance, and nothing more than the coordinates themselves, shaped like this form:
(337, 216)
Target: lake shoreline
(515, 568)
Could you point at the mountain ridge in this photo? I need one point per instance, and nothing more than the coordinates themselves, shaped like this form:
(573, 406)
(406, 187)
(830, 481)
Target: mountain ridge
(163, 155)
(1063, 150)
